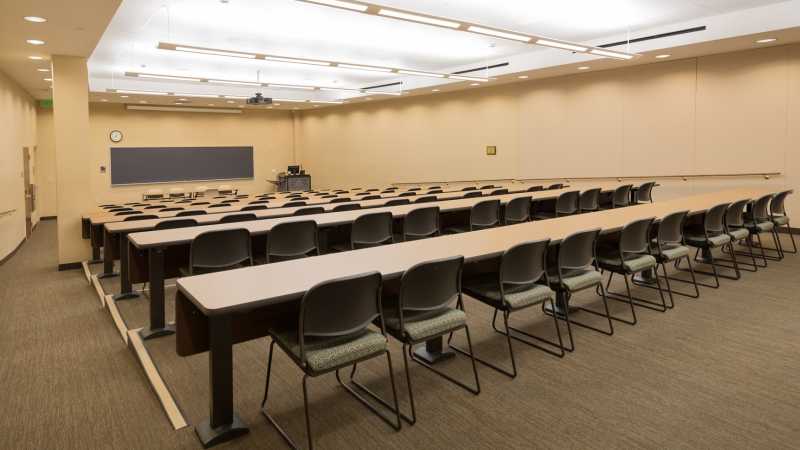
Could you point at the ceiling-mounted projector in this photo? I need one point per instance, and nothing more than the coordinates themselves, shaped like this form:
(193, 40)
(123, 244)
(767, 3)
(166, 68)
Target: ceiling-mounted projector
(259, 100)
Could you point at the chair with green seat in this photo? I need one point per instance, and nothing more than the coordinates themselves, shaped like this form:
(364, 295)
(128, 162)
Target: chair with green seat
(325, 340)
(576, 270)
(737, 230)
(215, 251)
(627, 255)
(520, 283)
(566, 205)
(517, 210)
(589, 200)
(668, 247)
(422, 311)
(758, 221)
(706, 238)
(781, 218)
(482, 215)
(292, 240)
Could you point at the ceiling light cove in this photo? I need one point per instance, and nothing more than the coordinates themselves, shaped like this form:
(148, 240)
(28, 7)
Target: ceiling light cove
(460, 25)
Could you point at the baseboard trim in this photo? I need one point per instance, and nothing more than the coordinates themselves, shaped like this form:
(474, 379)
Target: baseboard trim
(783, 230)
(48, 218)
(69, 266)
(13, 252)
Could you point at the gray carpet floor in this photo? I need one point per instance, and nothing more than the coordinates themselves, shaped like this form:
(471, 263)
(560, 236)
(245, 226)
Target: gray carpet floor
(718, 372)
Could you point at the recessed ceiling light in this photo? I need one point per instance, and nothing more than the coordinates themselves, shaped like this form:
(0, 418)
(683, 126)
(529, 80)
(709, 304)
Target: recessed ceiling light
(35, 42)
(523, 77)
(123, 96)
(368, 98)
(436, 90)
(231, 101)
(35, 19)
(125, 91)
(210, 104)
(269, 107)
(316, 106)
(142, 101)
(341, 4)
(181, 99)
(43, 70)
(48, 79)
(418, 18)
(765, 40)
(584, 68)
(36, 58)
(665, 55)
(103, 99)
(277, 104)
(474, 84)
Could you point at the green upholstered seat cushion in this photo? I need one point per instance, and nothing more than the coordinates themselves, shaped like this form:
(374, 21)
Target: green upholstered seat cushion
(517, 297)
(739, 233)
(421, 327)
(326, 353)
(712, 241)
(631, 264)
(780, 220)
(576, 280)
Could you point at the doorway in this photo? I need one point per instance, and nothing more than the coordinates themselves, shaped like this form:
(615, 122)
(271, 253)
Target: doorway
(26, 162)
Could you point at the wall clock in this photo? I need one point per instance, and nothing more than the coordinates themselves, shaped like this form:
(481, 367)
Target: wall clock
(115, 136)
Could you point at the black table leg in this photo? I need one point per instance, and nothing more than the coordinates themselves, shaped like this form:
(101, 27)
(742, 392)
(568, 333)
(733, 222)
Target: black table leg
(158, 326)
(108, 257)
(126, 289)
(95, 254)
(223, 424)
(434, 351)
(706, 255)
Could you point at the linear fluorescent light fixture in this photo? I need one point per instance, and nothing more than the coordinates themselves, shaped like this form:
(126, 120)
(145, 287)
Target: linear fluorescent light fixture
(235, 83)
(296, 60)
(341, 4)
(237, 97)
(195, 95)
(291, 86)
(500, 34)
(183, 109)
(288, 100)
(206, 51)
(360, 67)
(444, 22)
(561, 45)
(121, 91)
(167, 77)
(418, 18)
(609, 54)
(421, 74)
(466, 78)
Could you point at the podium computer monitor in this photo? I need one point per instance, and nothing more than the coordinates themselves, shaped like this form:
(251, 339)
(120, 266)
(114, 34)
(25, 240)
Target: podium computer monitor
(293, 170)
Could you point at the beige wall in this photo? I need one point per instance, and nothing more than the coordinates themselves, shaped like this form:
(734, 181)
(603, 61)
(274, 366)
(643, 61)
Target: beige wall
(46, 167)
(17, 130)
(270, 134)
(729, 113)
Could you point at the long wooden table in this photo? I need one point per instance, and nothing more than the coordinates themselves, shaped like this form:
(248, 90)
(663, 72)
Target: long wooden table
(154, 256)
(216, 311)
(93, 224)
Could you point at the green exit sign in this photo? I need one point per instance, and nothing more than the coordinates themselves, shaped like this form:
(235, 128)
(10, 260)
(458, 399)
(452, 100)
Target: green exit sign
(46, 103)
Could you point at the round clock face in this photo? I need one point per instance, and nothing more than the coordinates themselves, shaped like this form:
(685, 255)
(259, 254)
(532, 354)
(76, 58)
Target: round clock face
(115, 136)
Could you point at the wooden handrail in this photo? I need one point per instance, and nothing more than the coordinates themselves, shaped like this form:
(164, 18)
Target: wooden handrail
(10, 211)
(684, 177)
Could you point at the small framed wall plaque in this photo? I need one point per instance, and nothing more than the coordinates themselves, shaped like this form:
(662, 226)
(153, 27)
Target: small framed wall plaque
(491, 150)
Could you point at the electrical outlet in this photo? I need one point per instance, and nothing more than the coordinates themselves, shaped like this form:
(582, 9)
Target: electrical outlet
(491, 150)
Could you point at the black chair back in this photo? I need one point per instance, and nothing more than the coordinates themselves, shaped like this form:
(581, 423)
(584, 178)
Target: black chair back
(140, 217)
(434, 191)
(414, 189)
(714, 222)
(196, 212)
(645, 192)
(254, 208)
(128, 213)
(116, 210)
(292, 240)
(590, 200)
(171, 209)
(372, 197)
(293, 204)
(430, 287)
(371, 230)
(347, 207)
(472, 194)
(469, 188)
(577, 251)
(485, 214)
(734, 216)
(421, 223)
(341, 200)
(219, 205)
(233, 218)
(778, 204)
(622, 196)
(155, 207)
(488, 186)
(499, 192)
(567, 203)
(426, 199)
(199, 203)
(555, 186)
(635, 237)
(358, 304)
(218, 250)
(535, 188)
(309, 211)
(518, 210)
(172, 224)
(670, 229)
(397, 201)
(407, 194)
(523, 265)
(761, 208)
